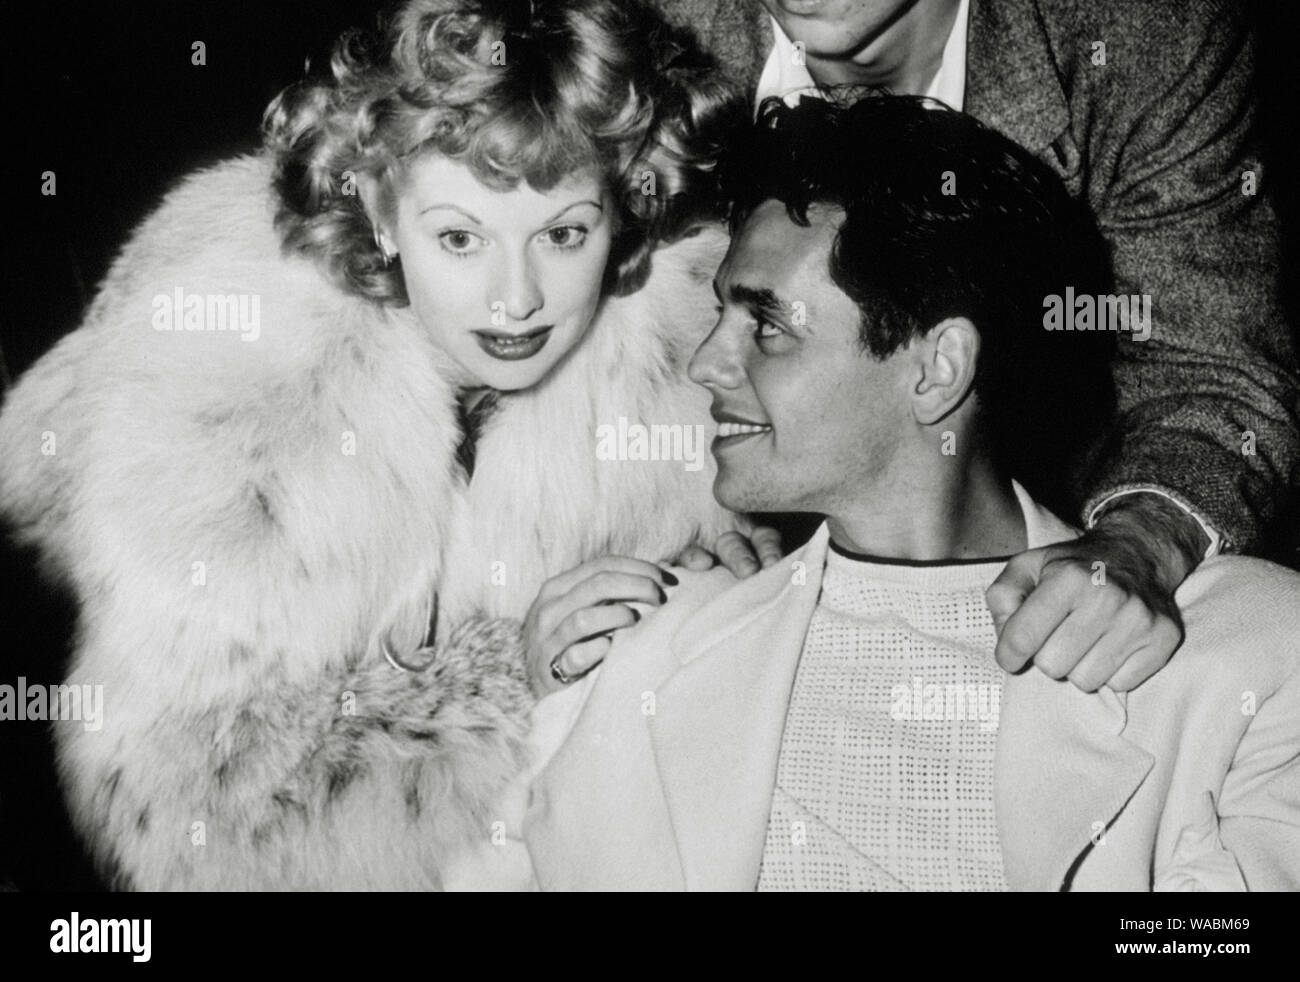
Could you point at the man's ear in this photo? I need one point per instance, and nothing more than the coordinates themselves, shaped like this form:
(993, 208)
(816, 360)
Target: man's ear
(947, 359)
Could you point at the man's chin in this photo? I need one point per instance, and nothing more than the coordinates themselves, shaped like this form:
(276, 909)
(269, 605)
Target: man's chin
(742, 496)
(826, 34)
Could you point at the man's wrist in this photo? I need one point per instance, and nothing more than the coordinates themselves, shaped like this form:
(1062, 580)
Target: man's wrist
(1174, 540)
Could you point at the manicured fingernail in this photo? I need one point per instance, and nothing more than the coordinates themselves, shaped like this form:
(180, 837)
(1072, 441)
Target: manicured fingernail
(668, 577)
(663, 597)
(636, 615)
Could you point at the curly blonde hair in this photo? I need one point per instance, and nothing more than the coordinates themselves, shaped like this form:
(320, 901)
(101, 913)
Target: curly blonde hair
(516, 91)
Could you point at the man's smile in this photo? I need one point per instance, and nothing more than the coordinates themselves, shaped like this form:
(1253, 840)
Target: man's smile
(733, 429)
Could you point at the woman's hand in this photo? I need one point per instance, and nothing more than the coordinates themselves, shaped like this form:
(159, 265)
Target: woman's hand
(742, 556)
(570, 623)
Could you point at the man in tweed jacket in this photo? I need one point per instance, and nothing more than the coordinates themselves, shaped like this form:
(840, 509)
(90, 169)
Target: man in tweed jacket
(1144, 109)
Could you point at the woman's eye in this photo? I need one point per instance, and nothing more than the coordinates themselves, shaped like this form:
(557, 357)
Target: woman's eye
(566, 236)
(459, 241)
(766, 329)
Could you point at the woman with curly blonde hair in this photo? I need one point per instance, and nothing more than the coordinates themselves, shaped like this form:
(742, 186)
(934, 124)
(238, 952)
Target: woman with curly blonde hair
(332, 422)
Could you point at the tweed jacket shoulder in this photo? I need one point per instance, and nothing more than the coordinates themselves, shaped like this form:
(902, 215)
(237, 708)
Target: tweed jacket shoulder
(244, 515)
(1145, 108)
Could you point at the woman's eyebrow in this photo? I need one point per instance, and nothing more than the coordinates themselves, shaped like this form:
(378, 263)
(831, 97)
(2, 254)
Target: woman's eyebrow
(447, 206)
(568, 208)
(441, 206)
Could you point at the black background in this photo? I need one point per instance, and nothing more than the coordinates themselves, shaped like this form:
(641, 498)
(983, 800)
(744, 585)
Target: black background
(105, 95)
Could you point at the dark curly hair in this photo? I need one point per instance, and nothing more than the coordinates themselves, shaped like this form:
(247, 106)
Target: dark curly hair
(516, 91)
(944, 217)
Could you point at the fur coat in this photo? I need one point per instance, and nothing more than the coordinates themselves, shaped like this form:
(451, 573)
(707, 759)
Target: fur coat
(243, 514)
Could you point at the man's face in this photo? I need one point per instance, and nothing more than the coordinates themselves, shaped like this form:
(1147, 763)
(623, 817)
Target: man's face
(808, 419)
(835, 29)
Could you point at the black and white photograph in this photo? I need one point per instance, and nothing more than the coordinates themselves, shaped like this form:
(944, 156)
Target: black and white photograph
(575, 446)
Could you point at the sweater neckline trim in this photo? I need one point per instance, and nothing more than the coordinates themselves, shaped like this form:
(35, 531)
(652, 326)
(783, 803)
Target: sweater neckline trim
(859, 557)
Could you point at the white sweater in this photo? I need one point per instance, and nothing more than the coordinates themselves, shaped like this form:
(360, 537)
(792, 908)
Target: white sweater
(885, 780)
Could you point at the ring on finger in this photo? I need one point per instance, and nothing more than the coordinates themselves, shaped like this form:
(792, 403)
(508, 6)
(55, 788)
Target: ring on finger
(558, 673)
(563, 677)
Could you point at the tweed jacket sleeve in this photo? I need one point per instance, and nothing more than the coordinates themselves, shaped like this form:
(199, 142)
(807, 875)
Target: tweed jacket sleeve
(1209, 404)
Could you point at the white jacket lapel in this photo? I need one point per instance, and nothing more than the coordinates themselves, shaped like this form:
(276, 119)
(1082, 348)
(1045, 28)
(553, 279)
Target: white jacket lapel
(1062, 769)
(719, 720)
(1062, 772)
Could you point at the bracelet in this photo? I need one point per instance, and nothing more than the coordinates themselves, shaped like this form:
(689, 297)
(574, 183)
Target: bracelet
(390, 656)
(431, 626)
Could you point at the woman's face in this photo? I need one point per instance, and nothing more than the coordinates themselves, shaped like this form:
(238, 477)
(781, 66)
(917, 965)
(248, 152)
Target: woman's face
(506, 282)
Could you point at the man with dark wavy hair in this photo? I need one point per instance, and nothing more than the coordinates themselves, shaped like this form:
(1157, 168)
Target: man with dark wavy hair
(1145, 109)
(883, 358)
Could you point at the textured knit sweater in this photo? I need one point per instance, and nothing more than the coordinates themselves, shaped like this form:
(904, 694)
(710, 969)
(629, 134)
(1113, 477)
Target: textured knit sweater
(885, 780)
